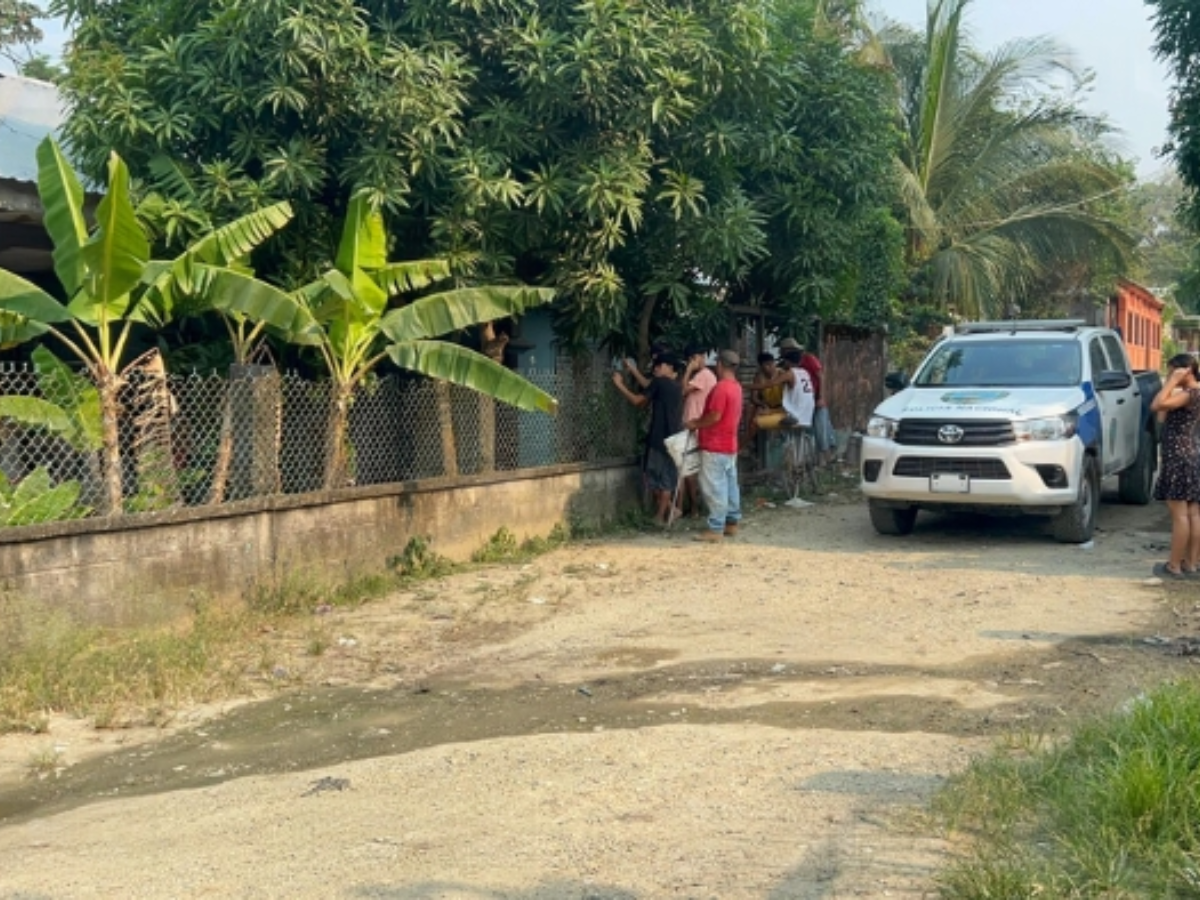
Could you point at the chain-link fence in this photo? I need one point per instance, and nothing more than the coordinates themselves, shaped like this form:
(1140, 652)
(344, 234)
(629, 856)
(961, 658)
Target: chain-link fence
(154, 441)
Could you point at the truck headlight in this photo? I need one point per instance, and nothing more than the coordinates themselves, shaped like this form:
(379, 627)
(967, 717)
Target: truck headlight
(1054, 428)
(879, 427)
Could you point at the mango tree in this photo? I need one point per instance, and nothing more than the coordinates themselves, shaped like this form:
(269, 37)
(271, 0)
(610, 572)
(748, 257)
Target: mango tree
(355, 330)
(112, 284)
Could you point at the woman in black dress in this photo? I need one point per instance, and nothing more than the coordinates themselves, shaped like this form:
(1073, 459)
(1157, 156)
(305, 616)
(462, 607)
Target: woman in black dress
(1179, 477)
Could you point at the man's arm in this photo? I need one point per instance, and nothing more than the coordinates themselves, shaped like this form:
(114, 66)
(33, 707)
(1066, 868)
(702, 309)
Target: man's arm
(783, 376)
(632, 369)
(711, 417)
(638, 400)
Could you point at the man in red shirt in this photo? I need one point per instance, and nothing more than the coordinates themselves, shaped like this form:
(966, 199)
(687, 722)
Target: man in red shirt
(718, 430)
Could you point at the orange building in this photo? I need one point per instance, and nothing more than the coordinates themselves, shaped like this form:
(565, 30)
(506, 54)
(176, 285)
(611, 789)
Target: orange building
(1137, 314)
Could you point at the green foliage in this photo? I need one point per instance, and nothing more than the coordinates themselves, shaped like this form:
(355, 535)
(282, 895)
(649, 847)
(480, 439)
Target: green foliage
(40, 67)
(35, 499)
(69, 407)
(629, 153)
(17, 25)
(1177, 42)
(418, 561)
(1111, 812)
(1003, 179)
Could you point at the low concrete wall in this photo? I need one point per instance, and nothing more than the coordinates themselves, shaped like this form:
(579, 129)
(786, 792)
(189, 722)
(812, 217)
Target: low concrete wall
(149, 568)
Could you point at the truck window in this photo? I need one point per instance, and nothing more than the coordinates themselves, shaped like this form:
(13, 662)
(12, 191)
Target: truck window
(1116, 353)
(1098, 357)
(1002, 363)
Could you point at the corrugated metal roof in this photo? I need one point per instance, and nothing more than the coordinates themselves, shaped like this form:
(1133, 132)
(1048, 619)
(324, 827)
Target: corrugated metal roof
(29, 110)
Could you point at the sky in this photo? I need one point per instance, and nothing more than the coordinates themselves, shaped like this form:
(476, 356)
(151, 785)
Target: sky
(1114, 38)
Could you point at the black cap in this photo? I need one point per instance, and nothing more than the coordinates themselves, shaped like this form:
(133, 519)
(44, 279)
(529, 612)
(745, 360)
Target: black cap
(669, 358)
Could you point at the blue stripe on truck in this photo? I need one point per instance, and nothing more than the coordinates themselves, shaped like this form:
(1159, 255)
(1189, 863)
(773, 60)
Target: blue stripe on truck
(1091, 427)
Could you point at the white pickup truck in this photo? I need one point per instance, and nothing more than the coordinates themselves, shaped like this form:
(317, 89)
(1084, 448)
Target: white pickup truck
(1019, 417)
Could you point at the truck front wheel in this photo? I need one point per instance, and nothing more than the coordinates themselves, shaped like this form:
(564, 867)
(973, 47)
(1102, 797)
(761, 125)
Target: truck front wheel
(1076, 523)
(890, 520)
(1136, 484)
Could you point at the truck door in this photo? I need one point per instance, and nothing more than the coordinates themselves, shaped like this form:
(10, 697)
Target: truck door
(1129, 402)
(1113, 409)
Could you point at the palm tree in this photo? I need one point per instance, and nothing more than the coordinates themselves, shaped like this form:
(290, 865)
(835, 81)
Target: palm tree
(1002, 177)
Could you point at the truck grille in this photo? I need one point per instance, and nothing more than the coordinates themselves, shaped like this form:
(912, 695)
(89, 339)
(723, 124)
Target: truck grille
(975, 433)
(924, 466)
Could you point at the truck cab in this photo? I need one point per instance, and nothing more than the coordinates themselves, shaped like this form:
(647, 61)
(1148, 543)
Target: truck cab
(1019, 417)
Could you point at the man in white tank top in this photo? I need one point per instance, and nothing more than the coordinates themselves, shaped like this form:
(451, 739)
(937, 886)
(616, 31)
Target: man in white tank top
(799, 401)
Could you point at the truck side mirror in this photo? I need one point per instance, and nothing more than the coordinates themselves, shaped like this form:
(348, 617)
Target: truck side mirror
(1113, 380)
(895, 381)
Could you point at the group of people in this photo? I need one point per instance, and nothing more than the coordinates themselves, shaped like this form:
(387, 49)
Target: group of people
(684, 393)
(788, 391)
(1178, 404)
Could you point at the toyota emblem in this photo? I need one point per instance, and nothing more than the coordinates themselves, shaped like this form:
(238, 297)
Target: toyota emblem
(950, 434)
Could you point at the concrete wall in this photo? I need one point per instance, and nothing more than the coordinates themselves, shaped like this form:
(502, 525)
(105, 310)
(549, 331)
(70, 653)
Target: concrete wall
(148, 568)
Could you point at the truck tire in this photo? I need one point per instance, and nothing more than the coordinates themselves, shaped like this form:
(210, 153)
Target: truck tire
(1076, 523)
(1136, 484)
(890, 520)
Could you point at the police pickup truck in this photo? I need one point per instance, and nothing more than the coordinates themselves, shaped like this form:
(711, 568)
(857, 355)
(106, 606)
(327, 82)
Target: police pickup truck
(1019, 417)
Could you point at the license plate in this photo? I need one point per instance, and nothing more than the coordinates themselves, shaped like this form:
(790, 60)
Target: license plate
(950, 483)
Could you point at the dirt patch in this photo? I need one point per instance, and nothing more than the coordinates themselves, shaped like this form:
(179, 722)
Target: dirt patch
(636, 718)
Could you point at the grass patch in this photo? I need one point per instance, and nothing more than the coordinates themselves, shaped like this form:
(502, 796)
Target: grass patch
(503, 547)
(1113, 812)
(118, 677)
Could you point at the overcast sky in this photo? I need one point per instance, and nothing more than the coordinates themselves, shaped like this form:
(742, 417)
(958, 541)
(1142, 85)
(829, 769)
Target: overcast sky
(1112, 37)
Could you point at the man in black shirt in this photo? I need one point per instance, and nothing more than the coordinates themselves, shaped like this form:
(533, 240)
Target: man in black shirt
(664, 395)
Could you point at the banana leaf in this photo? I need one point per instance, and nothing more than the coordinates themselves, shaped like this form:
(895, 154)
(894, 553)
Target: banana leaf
(364, 239)
(62, 199)
(230, 291)
(451, 311)
(237, 239)
(76, 396)
(27, 300)
(35, 499)
(16, 330)
(400, 278)
(116, 254)
(460, 365)
(34, 412)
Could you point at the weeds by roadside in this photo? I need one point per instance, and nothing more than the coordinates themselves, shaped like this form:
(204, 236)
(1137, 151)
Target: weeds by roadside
(1111, 812)
(120, 677)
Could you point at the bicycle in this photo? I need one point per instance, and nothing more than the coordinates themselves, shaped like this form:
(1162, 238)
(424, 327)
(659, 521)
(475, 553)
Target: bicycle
(801, 467)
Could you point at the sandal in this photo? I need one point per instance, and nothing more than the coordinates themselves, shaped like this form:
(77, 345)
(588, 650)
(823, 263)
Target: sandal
(1162, 571)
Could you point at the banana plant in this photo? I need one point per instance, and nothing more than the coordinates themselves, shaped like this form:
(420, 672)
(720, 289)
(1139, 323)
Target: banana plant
(356, 329)
(112, 284)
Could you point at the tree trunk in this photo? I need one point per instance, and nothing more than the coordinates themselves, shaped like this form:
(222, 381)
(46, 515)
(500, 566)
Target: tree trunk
(335, 448)
(216, 493)
(445, 414)
(644, 320)
(493, 349)
(109, 387)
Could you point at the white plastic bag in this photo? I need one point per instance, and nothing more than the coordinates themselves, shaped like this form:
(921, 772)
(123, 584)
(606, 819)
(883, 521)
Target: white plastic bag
(685, 451)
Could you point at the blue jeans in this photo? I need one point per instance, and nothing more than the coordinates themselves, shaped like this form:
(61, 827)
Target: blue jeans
(719, 484)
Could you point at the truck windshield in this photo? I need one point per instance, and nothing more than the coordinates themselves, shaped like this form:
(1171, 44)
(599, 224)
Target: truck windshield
(1002, 363)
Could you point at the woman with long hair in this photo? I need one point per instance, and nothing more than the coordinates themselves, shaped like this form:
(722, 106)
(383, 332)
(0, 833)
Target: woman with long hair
(1179, 477)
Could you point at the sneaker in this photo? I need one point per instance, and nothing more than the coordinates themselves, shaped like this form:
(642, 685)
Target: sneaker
(709, 537)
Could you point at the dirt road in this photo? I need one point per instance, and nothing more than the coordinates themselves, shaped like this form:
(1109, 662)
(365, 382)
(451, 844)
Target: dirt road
(623, 719)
